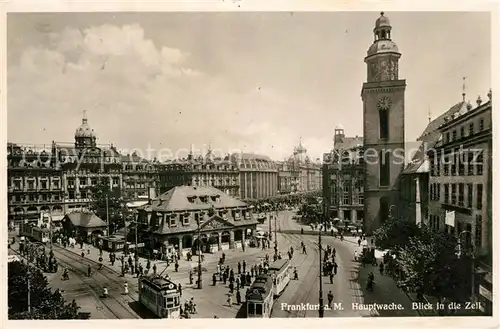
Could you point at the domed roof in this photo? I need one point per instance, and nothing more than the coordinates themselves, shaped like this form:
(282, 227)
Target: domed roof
(383, 46)
(84, 130)
(382, 21)
(339, 127)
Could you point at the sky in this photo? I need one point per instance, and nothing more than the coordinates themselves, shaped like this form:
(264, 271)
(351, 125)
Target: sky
(235, 81)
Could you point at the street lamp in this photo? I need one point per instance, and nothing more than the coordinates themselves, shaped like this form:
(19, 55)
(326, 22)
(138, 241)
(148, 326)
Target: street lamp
(200, 285)
(321, 310)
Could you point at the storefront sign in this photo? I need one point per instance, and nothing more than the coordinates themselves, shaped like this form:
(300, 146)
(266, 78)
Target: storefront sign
(485, 293)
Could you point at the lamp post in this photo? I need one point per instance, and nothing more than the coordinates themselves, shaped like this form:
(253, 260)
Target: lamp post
(321, 310)
(200, 285)
(472, 258)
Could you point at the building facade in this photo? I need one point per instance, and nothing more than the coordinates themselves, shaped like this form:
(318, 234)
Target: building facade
(383, 127)
(207, 170)
(138, 176)
(461, 190)
(258, 176)
(343, 173)
(461, 177)
(288, 177)
(188, 217)
(34, 182)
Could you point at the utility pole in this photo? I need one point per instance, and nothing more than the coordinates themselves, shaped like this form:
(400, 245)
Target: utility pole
(50, 230)
(200, 285)
(321, 310)
(107, 210)
(275, 232)
(29, 285)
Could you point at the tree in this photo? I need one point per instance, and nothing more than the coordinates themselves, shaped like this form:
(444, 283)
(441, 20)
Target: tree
(430, 265)
(114, 206)
(395, 233)
(45, 303)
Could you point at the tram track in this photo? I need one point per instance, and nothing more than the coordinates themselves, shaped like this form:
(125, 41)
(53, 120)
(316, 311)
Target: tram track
(115, 305)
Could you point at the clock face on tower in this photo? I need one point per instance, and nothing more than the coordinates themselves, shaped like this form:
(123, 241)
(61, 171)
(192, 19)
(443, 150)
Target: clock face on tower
(384, 103)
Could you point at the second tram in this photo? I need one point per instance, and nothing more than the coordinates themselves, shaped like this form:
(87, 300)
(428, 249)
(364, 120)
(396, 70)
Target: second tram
(33, 232)
(280, 273)
(160, 295)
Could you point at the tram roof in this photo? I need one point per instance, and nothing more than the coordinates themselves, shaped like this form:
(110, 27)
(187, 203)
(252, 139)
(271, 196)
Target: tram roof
(158, 283)
(260, 288)
(279, 264)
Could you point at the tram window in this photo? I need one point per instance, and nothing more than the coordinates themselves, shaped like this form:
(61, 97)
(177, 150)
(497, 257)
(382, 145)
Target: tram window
(251, 308)
(170, 302)
(177, 303)
(258, 309)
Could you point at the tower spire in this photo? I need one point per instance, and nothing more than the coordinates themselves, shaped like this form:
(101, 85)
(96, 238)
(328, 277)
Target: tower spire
(429, 113)
(463, 89)
(84, 118)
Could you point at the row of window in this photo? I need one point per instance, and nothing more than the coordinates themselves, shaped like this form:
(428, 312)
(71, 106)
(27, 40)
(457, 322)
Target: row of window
(467, 163)
(184, 219)
(35, 198)
(31, 185)
(346, 199)
(454, 135)
(435, 221)
(457, 194)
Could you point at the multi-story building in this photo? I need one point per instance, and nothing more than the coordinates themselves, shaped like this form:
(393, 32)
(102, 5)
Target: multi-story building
(85, 164)
(460, 185)
(34, 182)
(288, 177)
(383, 98)
(138, 176)
(258, 175)
(343, 178)
(205, 170)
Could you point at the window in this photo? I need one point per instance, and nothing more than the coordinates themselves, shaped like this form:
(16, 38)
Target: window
(479, 164)
(258, 309)
(384, 124)
(454, 135)
(115, 181)
(251, 308)
(438, 166)
(461, 191)
(446, 166)
(384, 164)
(471, 129)
(470, 163)
(31, 185)
(478, 231)
(479, 200)
(44, 184)
(173, 222)
(453, 193)
(185, 219)
(432, 168)
(346, 199)
(438, 196)
(461, 164)
(481, 125)
(462, 132)
(447, 139)
(454, 161)
(469, 195)
(361, 199)
(446, 193)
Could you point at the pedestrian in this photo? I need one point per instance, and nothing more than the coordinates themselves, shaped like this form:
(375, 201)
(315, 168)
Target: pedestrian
(231, 287)
(356, 256)
(230, 301)
(244, 267)
(176, 266)
(331, 277)
(239, 268)
(154, 269)
(179, 287)
(238, 297)
(335, 268)
(89, 270)
(100, 263)
(83, 254)
(381, 268)
(359, 242)
(214, 279)
(125, 288)
(330, 299)
(249, 278)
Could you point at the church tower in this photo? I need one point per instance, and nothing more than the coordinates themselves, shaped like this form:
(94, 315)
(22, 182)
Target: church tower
(383, 127)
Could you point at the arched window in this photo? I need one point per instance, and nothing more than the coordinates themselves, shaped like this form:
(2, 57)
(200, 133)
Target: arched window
(385, 168)
(384, 123)
(384, 209)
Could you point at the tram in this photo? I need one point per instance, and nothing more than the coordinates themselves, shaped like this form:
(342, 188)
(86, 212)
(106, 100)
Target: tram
(259, 297)
(280, 273)
(160, 295)
(33, 232)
